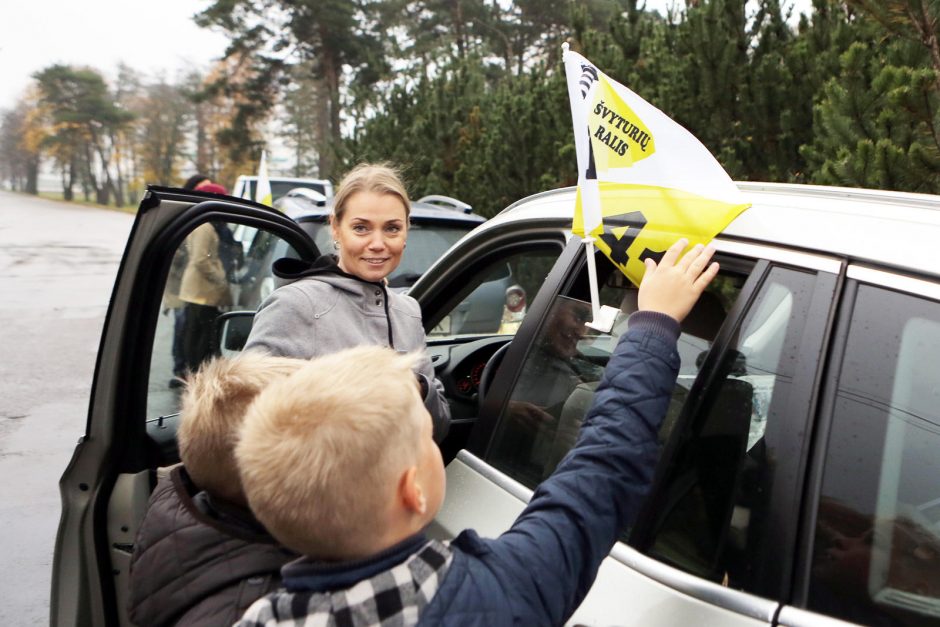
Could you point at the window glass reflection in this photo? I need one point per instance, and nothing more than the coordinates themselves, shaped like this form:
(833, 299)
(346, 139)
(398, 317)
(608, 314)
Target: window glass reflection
(565, 362)
(876, 557)
(218, 269)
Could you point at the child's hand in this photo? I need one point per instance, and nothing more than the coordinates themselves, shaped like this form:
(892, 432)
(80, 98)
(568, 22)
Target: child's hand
(672, 288)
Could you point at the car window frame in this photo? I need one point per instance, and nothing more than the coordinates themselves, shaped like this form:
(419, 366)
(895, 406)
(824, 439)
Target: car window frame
(563, 272)
(855, 276)
(439, 283)
(114, 440)
(153, 269)
(799, 408)
(772, 580)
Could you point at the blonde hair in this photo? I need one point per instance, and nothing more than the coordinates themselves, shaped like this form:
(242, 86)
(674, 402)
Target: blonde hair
(380, 178)
(213, 407)
(320, 452)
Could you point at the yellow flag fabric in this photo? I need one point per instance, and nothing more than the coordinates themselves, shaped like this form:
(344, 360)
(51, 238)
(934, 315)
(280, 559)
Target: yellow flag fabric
(641, 220)
(643, 180)
(263, 189)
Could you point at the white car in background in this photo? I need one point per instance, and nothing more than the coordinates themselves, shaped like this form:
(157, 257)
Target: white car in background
(319, 189)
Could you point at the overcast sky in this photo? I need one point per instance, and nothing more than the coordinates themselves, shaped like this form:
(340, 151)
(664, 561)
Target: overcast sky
(151, 36)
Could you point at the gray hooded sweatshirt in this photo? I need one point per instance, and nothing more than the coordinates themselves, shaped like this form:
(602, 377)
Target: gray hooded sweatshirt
(326, 310)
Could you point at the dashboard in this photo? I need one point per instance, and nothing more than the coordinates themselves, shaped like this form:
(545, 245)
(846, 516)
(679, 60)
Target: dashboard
(460, 367)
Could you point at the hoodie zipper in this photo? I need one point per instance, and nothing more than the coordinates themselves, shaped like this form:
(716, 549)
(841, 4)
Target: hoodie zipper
(388, 319)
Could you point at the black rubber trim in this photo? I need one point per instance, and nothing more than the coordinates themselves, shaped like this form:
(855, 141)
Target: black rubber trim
(788, 433)
(825, 408)
(566, 267)
(643, 532)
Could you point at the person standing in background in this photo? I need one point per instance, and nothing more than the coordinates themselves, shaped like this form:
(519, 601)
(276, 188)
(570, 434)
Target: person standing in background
(204, 286)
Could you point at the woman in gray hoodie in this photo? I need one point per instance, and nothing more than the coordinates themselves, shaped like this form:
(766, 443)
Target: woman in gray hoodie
(342, 300)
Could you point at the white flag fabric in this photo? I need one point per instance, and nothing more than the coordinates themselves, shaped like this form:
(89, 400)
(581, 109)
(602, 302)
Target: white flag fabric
(641, 171)
(263, 189)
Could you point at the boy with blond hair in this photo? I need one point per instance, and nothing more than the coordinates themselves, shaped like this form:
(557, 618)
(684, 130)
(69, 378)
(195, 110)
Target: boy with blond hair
(201, 557)
(338, 461)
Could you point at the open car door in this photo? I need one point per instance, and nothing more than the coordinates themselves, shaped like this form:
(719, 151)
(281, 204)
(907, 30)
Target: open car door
(193, 263)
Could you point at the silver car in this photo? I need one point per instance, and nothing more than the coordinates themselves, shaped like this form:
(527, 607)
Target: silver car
(799, 476)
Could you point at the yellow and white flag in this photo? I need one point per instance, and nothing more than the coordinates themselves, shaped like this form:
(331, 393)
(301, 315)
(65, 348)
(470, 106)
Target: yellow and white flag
(263, 189)
(643, 180)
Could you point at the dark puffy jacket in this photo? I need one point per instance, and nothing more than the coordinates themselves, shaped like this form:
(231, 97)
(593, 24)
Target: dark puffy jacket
(190, 568)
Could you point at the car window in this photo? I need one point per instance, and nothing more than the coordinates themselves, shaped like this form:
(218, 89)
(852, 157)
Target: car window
(876, 554)
(556, 382)
(707, 512)
(280, 188)
(427, 242)
(495, 298)
(219, 268)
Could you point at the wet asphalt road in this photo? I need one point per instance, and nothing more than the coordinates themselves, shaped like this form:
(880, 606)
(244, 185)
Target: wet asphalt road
(57, 267)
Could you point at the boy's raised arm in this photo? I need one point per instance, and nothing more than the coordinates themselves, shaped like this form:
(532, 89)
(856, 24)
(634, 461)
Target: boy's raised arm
(550, 557)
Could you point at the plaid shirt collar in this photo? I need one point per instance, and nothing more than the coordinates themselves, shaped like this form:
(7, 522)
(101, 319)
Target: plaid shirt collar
(394, 596)
(309, 575)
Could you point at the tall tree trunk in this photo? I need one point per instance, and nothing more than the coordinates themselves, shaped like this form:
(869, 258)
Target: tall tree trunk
(331, 69)
(68, 180)
(111, 190)
(32, 175)
(324, 130)
(456, 16)
(202, 149)
(91, 179)
(118, 186)
(108, 189)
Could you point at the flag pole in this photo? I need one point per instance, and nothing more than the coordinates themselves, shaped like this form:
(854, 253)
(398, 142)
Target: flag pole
(592, 275)
(604, 316)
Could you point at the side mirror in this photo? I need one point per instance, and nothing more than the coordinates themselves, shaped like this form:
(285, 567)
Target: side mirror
(233, 329)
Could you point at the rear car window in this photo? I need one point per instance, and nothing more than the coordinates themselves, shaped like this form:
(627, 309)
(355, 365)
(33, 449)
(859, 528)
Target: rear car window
(876, 555)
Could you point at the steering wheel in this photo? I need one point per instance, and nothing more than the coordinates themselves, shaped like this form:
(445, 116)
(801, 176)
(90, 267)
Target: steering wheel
(489, 371)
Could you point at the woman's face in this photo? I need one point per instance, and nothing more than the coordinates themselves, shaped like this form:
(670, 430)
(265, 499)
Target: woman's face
(371, 235)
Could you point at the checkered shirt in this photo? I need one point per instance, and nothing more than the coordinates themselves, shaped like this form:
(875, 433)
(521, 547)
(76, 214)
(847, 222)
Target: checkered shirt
(392, 598)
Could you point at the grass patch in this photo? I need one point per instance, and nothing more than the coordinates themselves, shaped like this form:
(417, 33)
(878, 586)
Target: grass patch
(79, 199)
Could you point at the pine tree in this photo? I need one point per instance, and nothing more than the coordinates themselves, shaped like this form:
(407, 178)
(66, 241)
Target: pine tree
(878, 125)
(83, 110)
(338, 37)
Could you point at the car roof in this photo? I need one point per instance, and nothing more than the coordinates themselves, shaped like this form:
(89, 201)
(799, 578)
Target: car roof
(290, 179)
(302, 209)
(880, 227)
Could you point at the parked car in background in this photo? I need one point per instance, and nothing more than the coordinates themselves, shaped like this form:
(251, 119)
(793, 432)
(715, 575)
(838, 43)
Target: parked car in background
(246, 186)
(436, 223)
(798, 481)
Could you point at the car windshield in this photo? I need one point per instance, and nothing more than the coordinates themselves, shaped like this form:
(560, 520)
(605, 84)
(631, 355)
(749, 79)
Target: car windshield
(280, 188)
(427, 243)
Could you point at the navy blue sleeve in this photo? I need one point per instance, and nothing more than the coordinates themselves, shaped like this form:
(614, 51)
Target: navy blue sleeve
(549, 558)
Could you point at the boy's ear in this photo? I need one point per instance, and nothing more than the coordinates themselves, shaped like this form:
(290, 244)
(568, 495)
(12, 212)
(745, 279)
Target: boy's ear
(410, 492)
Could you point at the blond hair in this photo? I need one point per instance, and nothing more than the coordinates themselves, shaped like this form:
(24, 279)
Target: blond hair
(320, 452)
(380, 178)
(213, 407)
